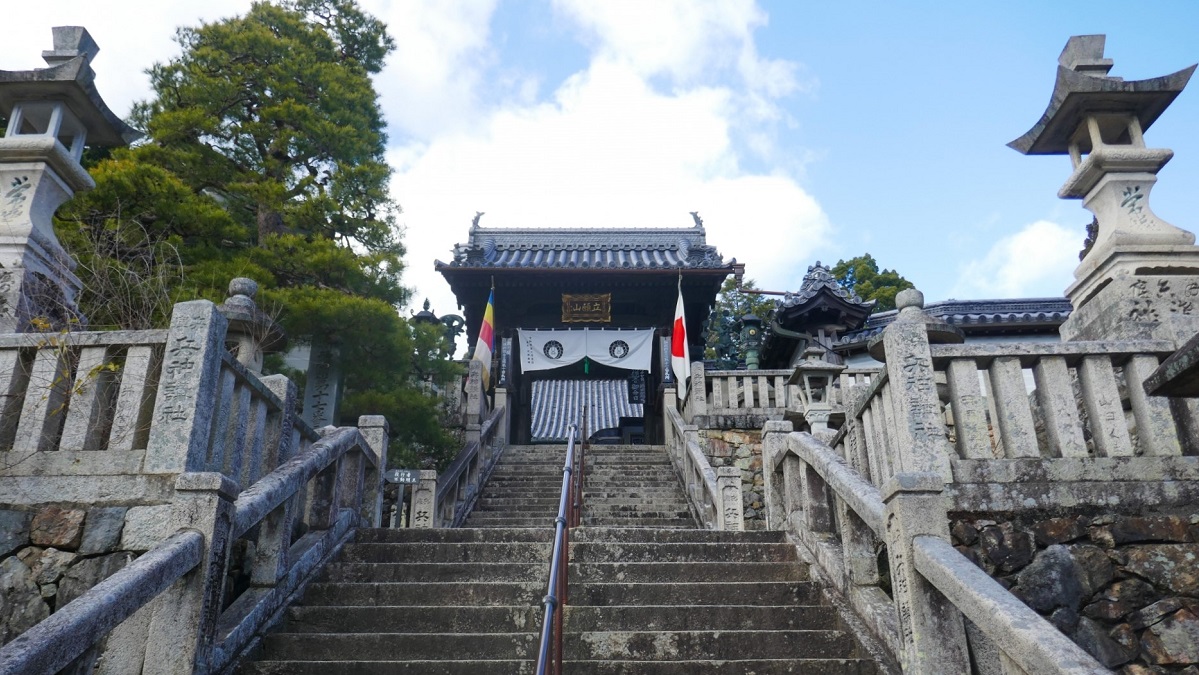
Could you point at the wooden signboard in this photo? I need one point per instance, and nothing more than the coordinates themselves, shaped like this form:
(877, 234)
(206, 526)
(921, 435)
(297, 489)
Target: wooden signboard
(587, 307)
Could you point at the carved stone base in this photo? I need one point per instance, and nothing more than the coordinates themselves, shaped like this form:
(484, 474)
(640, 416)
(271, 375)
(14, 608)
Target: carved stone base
(1140, 306)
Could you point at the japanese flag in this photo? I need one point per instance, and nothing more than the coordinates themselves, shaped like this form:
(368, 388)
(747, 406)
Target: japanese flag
(680, 355)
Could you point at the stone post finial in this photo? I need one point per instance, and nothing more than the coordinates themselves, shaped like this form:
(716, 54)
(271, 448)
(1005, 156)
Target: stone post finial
(71, 42)
(910, 303)
(251, 331)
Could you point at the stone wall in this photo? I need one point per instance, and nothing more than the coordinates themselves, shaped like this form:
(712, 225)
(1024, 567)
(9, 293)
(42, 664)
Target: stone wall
(742, 449)
(52, 554)
(1125, 588)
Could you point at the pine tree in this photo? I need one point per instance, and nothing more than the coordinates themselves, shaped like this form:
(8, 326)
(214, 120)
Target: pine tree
(264, 158)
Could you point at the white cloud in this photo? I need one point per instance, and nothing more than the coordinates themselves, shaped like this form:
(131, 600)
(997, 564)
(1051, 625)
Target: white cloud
(431, 82)
(1037, 261)
(612, 147)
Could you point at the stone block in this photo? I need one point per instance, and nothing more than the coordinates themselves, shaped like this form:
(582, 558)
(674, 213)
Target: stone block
(57, 526)
(1172, 566)
(102, 530)
(1159, 610)
(20, 598)
(1058, 531)
(14, 530)
(1173, 641)
(1050, 581)
(1094, 638)
(1010, 549)
(1094, 568)
(145, 527)
(963, 533)
(1120, 599)
(1151, 528)
(49, 565)
(89, 572)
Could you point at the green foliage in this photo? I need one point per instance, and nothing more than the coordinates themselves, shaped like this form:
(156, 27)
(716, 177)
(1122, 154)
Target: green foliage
(724, 324)
(862, 276)
(264, 158)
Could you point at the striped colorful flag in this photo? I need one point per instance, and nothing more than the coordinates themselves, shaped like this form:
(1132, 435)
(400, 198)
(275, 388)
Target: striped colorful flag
(486, 343)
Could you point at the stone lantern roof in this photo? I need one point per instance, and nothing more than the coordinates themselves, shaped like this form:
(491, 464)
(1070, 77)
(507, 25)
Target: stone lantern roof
(1084, 88)
(71, 80)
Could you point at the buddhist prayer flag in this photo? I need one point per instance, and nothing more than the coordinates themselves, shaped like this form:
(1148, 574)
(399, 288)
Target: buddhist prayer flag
(680, 354)
(486, 342)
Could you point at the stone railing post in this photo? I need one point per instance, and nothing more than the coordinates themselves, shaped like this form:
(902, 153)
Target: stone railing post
(921, 442)
(670, 401)
(501, 401)
(932, 632)
(424, 500)
(474, 401)
(731, 514)
(188, 390)
(375, 430)
(774, 444)
(697, 394)
(183, 625)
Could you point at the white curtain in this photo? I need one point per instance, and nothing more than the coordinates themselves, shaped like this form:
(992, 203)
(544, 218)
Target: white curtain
(629, 348)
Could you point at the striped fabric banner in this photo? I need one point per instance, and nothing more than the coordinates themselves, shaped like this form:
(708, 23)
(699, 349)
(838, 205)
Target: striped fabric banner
(486, 342)
(557, 403)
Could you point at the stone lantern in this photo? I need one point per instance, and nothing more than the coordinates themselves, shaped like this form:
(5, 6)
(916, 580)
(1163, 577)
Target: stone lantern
(52, 114)
(1139, 278)
(814, 377)
(751, 340)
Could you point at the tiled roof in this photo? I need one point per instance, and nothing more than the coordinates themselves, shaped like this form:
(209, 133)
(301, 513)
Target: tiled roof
(556, 404)
(592, 248)
(817, 279)
(973, 313)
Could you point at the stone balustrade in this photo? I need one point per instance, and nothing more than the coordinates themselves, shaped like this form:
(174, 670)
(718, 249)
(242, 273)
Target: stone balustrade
(736, 394)
(715, 495)
(843, 521)
(450, 497)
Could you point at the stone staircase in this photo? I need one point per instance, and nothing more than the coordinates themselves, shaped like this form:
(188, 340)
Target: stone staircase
(463, 601)
(677, 602)
(633, 486)
(523, 490)
(649, 593)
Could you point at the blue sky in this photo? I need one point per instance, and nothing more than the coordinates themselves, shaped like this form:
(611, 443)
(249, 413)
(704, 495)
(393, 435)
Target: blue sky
(799, 130)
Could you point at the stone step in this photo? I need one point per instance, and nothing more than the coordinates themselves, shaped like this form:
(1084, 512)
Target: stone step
(716, 667)
(589, 534)
(711, 553)
(729, 593)
(471, 552)
(684, 618)
(423, 667)
(455, 535)
(516, 513)
(707, 644)
(438, 571)
(635, 521)
(605, 667)
(484, 594)
(413, 619)
(647, 511)
(701, 578)
(541, 523)
(622, 505)
(399, 646)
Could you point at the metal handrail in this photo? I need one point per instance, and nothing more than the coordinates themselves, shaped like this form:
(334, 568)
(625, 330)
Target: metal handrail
(570, 505)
